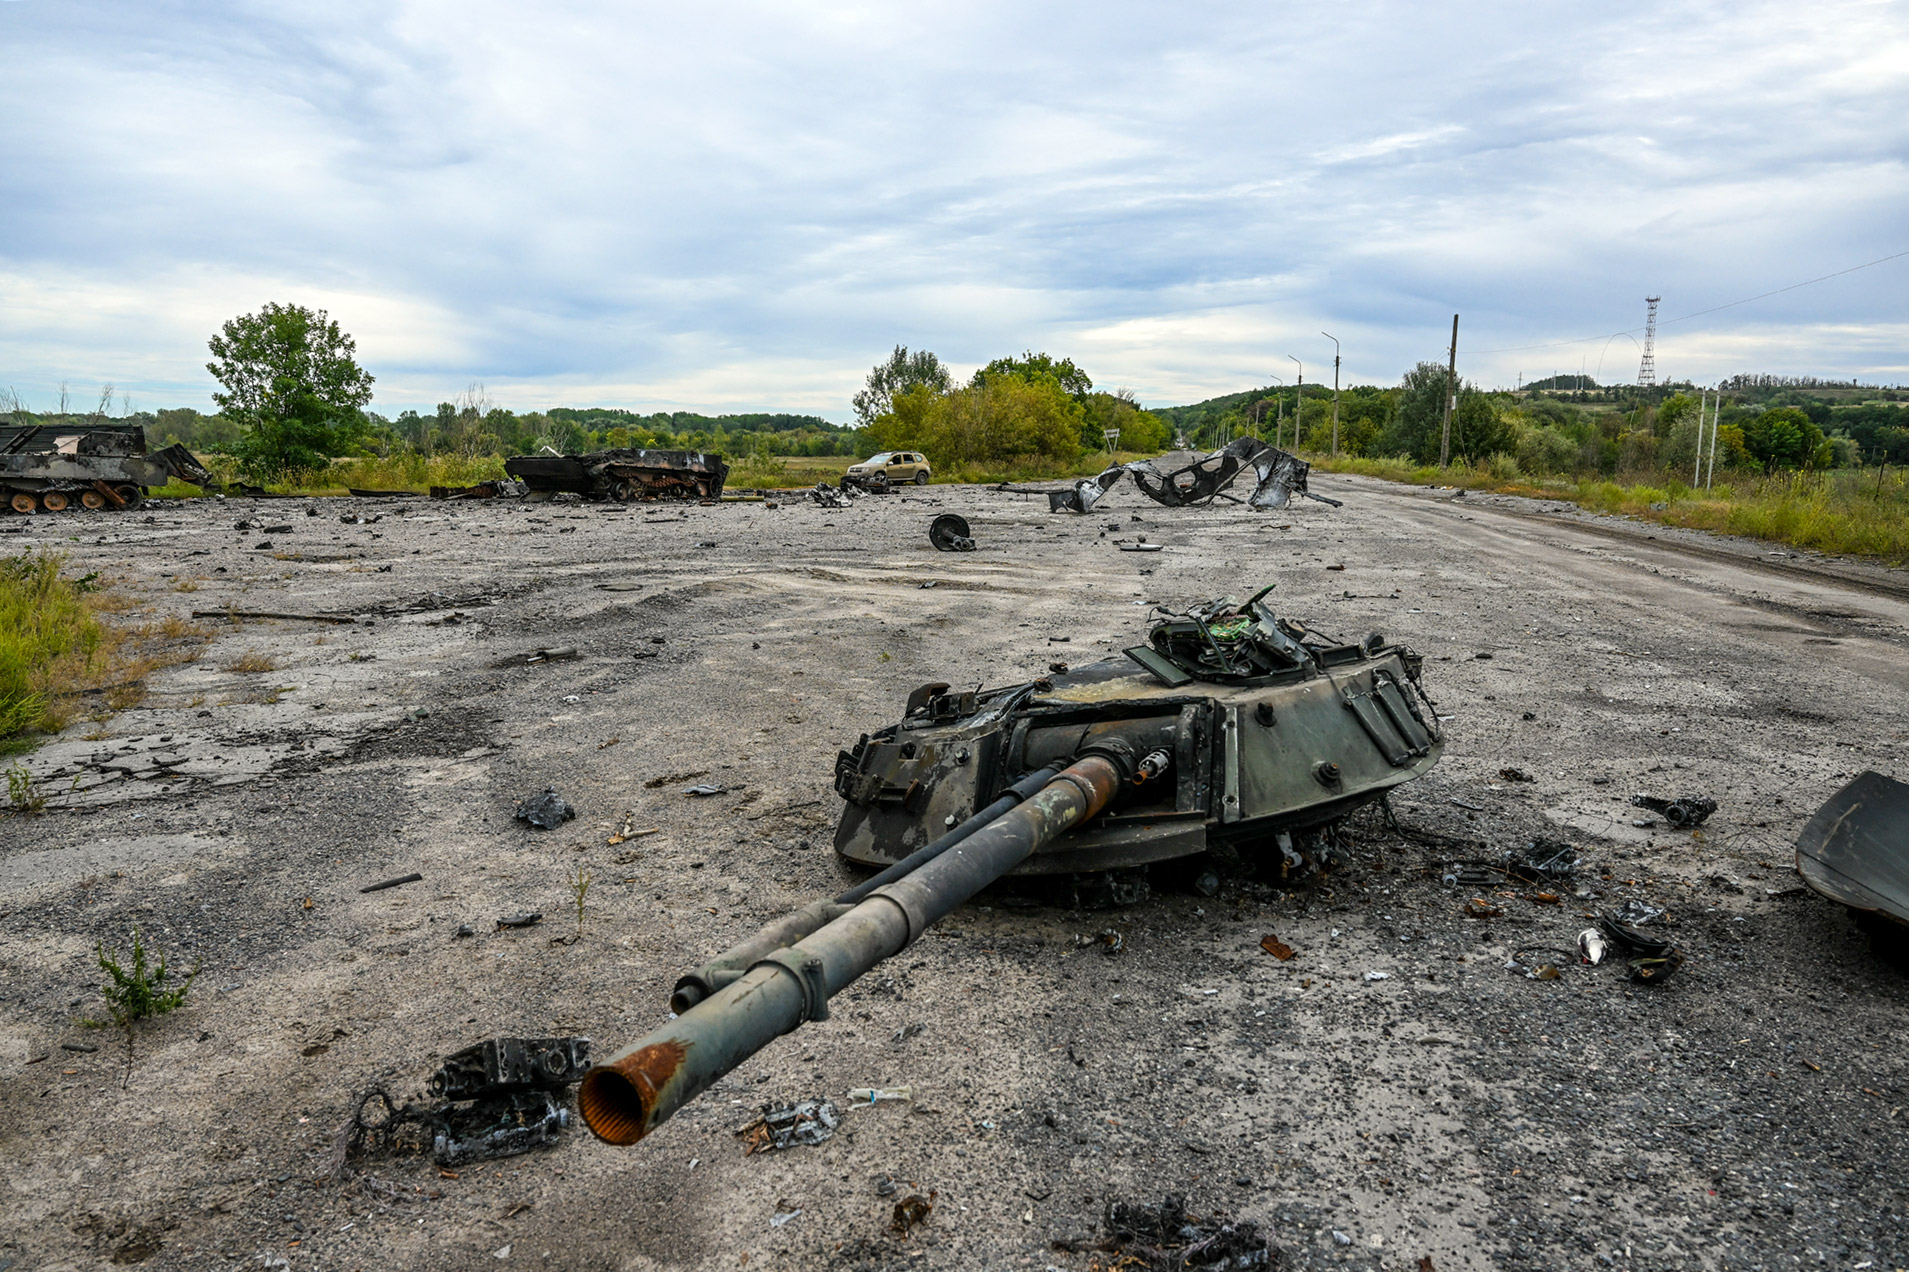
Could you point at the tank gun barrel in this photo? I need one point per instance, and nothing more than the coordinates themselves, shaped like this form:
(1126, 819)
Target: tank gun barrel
(637, 1089)
(729, 966)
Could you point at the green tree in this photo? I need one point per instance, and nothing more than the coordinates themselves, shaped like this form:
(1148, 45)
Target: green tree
(1784, 437)
(1416, 425)
(1035, 366)
(1002, 419)
(1141, 431)
(901, 372)
(292, 383)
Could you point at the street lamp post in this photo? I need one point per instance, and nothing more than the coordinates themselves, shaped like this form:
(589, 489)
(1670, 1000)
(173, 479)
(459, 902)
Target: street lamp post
(1279, 408)
(1299, 397)
(1335, 389)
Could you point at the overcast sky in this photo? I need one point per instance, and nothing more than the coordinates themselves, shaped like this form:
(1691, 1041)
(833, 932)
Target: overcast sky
(726, 206)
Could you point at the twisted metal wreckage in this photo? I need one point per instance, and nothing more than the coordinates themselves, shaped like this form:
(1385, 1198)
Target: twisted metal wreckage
(1279, 475)
(1231, 725)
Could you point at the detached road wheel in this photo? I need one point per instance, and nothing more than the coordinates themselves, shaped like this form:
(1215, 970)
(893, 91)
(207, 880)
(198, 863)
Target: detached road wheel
(132, 494)
(921, 479)
(53, 501)
(92, 499)
(23, 502)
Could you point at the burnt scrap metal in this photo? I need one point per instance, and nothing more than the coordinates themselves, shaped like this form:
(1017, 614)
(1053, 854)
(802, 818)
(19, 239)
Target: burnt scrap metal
(1855, 850)
(546, 810)
(810, 1123)
(496, 1099)
(495, 488)
(1278, 474)
(504, 1066)
(1167, 1239)
(96, 467)
(829, 497)
(1685, 814)
(622, 475)
(1233, 725)
(949, 533)
(1084, 494)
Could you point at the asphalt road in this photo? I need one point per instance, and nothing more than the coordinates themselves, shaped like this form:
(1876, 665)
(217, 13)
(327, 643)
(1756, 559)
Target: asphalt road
(1745, 1114)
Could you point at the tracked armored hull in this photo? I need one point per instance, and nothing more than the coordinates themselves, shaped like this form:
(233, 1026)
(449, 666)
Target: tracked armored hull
(622, 475)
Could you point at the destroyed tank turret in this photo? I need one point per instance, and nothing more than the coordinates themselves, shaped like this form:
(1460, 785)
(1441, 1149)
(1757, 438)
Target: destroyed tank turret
(58, 467)
(1231, 726)
(623, 475)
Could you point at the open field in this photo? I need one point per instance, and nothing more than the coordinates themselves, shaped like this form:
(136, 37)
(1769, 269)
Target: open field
(1746, 1114)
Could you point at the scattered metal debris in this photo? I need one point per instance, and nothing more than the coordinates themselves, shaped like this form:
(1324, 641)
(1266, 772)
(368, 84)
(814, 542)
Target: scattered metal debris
(1142, 546)
(1084, 494)
(1165, 1238)
(1593, 946)
(528, 919)
(1538, 962)
(382, 884)
(1542, 861)
(546, 811)
(912, 1211)
(496, 1099)
(495, 488)
(500, 1066)
(1855, 850)
(1515, 775)
(810, 1123)
(237, 615)
(1684, 814)
(949, 533)
(861, 1096)
(706, 789)
(1277, 948)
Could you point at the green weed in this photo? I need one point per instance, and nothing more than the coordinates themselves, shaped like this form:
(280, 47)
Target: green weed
(135, 993)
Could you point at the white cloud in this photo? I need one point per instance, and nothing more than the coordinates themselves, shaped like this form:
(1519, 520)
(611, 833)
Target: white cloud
(741, 205)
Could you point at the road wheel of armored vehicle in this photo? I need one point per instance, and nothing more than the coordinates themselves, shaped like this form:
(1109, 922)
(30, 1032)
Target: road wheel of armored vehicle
(92, 499)
(23, 502)
(53, 501)
(130, 495)
(625, 491)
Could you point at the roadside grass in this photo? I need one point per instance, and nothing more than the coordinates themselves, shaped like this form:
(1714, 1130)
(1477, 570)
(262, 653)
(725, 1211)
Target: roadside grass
(58, 651)
(1858, 512)
(251, 662)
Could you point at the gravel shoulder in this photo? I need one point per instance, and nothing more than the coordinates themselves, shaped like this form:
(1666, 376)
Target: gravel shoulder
(1746, 1114)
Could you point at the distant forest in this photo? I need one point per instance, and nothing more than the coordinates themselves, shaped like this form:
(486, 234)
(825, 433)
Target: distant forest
(1562, 425)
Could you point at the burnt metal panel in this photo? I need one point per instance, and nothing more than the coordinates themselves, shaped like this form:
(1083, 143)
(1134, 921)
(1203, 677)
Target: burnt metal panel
(1856, 848)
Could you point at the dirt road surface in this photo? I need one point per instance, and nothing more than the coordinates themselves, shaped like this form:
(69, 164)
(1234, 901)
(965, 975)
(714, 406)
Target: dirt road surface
(1749, 1113)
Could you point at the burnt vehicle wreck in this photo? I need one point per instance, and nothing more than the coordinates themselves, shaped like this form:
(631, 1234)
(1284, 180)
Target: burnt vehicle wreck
(622, 475)
(98, 467)
(1278, 476)
(1230, 726)
(1855, 851)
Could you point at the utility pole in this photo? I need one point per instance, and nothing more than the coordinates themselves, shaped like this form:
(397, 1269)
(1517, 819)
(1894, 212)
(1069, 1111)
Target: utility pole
(1279, 407)
(1299, 398)
(1451, 397)
(1335, 389)
(1697, 473)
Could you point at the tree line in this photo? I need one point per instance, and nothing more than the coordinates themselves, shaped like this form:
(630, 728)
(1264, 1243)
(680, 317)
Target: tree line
(292, 398)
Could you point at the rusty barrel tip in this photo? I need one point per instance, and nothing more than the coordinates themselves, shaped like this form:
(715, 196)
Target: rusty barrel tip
(618, 1100)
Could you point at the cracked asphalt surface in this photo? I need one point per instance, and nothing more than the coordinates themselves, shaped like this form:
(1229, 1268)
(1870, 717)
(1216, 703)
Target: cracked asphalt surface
(1745, 1114)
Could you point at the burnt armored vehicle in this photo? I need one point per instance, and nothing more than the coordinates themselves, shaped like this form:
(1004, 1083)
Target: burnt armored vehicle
(1232, 725)
(55, 467)
(623, 475)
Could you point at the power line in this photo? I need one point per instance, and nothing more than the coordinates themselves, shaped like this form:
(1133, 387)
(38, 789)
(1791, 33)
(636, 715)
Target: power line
(1631, 331)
